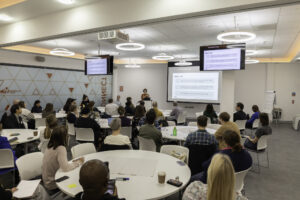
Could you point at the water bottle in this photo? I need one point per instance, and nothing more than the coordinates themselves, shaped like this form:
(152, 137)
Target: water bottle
(175, 131)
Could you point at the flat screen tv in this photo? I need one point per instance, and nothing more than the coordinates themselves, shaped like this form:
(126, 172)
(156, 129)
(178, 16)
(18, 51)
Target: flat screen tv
(222, 57)
(99, 65)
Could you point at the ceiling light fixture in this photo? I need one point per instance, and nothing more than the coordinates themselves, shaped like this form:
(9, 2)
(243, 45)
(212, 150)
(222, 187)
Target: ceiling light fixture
(6, 18)
(236, 36)
(251, 61)
(183, 63)
(130, 46)
(66, 1)
(163, 56)
(250, 52)
(133, 66)
(62, 52)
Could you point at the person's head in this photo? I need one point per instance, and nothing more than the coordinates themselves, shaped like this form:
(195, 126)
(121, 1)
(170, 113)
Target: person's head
(255, 108)
(93, 177)
(110, 100)
(118, 98)
(37, 103)
(150, 116)
(22, 104)
(121, 111)
(202, 121)
(49, 107)
(209, 108)
(239, 106)
(139, 111)
(51, 123)
(15, 109)
(129, 99)
(145, 91)
(115, 124)
(142, 103)
(264, 119)
(220, 178)
(59, 137)
(85, 112)
(70, 101)
(233, 140)
(175, 104)
(85, 97)
(224, 117)
(73, 108)
(16, 101)
(91, 105)
(154, 104)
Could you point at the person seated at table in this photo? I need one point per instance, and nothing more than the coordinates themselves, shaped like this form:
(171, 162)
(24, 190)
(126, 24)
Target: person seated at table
(84, 121)
(118, 102)
(27, 116)
(93, 178)
(220, 182)
(210, 113)
(14, 121)
(85, 101)
(45, 133)
(129, 107)
(55, 157)
(149, 131)
(95, 113)
(158, 113)
(48, 110)
(175, 112)
(264, 129)
(111, 108)
(6, 109)
(201, 136)
(7, 194)
(240, 157)
(73, 114)
(255, 115)
(143, 121)
(69, 102)
(37, 108)
(239, 114)
(224, 118)
(124, 120)
(145, 96)
(116, 138)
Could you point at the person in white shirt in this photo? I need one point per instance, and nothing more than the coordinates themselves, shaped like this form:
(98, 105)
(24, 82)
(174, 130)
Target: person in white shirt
(116, 138)
(111, 108)
(26, 114)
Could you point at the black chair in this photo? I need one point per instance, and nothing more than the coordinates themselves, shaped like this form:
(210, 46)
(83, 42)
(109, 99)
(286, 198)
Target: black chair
(198, 154)
(110, 147)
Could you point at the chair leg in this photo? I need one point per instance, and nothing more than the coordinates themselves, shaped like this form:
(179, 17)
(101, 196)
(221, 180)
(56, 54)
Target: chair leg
(258, 165)
(268, 157)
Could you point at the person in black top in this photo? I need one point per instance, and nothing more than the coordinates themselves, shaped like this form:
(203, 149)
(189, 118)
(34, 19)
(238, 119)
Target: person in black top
(94, 177)
(124, 120)
(71, 117)
(84, 121)
(85, 101)
(14, 121)
(6, 194)
(210, 113)
(48, 110)
(70, 101)
(239, 114)
(37, 108)
(129, 107)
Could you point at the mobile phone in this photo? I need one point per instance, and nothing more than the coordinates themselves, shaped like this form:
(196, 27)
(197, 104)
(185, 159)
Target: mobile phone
(61, 179)
(29, 138)
(174, 182)
(180, 163)
(15, 134)
(111, 187)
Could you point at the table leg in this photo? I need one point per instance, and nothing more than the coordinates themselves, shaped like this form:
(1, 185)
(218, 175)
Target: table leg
(26, 148)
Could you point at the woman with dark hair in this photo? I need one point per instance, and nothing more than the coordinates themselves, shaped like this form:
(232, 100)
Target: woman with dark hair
(37, 108)
(95, 113)
(129, 107)
(265, 129)
(70, 101)
(85, 101)
(55, 158)
(255, 115)
(48, 110)
(210, 113)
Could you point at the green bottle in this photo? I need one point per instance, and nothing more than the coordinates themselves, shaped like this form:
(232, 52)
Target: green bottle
(175, 131)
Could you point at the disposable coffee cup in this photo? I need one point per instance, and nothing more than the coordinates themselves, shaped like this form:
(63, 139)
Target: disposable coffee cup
(161, 177)
(35, 133)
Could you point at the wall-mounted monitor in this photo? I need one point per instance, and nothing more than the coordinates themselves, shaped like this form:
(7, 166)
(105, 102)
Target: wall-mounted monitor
(222, 57)
(99, 65)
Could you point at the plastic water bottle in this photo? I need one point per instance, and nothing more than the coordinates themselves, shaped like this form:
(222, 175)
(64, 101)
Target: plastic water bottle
(175, 131)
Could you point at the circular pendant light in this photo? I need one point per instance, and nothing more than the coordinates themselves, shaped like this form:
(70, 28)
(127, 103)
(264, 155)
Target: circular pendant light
(251, 61)
(133, 66)
(130, 46)
(183, 63)
(62, 52)
(163, 56)
(250, 52)
(236, 36)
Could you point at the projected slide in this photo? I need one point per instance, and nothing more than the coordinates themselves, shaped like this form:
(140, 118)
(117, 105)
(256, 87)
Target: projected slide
(96, 66)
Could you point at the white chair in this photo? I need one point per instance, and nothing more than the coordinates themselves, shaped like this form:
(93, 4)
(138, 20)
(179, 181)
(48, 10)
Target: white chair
(181, 118)
(192, 124)
(171, 123)
(198, 114)
(255, 124)
(84, 134)
(127, 131)
(213, 126)
(30, 165)
(241, 124)
(169, 149)
(239, 180)
(71, 129)
(147, 144)
(7, 161)
(82, 149)
(40, 122)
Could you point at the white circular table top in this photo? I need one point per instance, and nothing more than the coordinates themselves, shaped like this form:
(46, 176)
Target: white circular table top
(58, 115)
(182, 132)
(142, 185)
(26, 135)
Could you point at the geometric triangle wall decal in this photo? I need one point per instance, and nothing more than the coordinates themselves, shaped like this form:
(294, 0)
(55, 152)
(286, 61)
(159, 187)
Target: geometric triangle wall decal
(36, 92)
(86, 85)
(71, 89)
(52, 92)
(49, 75)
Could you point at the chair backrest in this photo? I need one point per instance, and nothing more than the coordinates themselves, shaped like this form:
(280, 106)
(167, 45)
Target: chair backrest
(171, 123)
(30, 165)
(198, 154)
(262, 143)
(7, 159)
(71, 129)
(169, 149)
(146, 144)
(84, 134)
(40, 122)
(255, 123)
(239, 180)
(181, 118)
(198, 114)
(82, 149)
(241, 124)
(148, 105)
(213, 126)
(192, 124)
(127, 131)
(111, 147)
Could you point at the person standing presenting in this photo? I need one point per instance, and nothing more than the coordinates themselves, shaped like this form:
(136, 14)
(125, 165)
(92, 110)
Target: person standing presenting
(145, 96)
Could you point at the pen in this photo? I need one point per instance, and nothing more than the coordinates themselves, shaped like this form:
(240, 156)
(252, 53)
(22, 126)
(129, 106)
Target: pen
(122, 179)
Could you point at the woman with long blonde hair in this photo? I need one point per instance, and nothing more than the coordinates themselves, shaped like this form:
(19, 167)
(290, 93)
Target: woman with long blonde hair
(220, 182)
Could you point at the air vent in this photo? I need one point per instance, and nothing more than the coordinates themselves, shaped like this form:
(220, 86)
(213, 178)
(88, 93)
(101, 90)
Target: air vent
(113, 36)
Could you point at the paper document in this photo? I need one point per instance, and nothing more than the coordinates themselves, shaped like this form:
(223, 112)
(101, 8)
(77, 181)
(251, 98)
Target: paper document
(26, 189)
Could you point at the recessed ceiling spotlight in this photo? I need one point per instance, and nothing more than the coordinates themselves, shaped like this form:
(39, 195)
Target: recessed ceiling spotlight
(6, 18)
(183, 63)
(236, 36)
(62, 52)
(133, 66)
(66, 1)
(251, 61)
(250, 52)
(163, 56)
(130, 46)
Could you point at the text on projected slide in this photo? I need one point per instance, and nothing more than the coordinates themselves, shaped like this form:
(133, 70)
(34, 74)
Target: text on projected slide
(97, 66)
(222, 59)
(198, 86)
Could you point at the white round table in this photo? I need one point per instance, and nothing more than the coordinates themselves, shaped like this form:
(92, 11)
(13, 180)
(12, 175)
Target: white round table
(141, 167)
(58, 115)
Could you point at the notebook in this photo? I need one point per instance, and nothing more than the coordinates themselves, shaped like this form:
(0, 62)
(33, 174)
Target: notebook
(26, 189)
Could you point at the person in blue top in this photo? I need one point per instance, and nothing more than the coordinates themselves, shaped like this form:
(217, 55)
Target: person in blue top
(254, 116)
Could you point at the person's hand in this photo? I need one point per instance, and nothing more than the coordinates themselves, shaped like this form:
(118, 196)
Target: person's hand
(79, 160)
(13, 189)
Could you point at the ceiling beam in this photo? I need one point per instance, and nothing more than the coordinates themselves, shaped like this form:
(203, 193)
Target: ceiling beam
(8, 3)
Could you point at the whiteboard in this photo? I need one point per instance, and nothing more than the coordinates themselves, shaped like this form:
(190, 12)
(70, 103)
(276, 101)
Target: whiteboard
(270, 97)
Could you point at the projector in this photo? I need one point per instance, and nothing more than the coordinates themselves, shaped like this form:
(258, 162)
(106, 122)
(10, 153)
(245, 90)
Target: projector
(113, 36)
